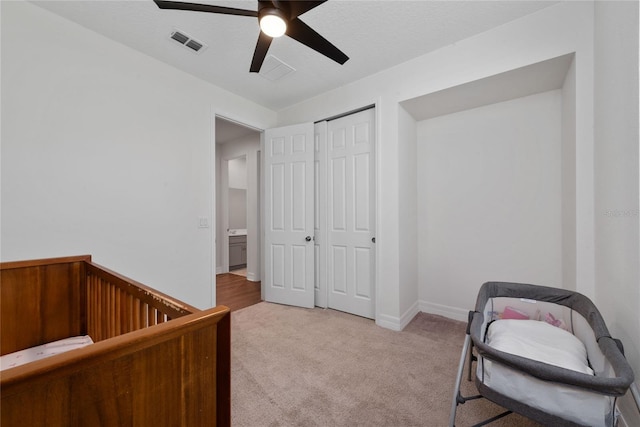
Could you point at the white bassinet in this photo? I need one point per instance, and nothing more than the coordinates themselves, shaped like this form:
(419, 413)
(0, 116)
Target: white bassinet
(544, 353)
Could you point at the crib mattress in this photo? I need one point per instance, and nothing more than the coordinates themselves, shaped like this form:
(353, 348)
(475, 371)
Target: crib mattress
(542, 342)
(32, 354)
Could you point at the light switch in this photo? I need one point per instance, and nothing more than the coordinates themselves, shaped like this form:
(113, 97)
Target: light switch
(203, 222)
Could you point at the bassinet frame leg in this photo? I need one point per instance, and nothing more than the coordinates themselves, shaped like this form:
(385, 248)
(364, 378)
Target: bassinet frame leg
(457, 397)
(492, 419)
(472, 359)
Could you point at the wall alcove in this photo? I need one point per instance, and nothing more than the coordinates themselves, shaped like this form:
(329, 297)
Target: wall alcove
(496, 180)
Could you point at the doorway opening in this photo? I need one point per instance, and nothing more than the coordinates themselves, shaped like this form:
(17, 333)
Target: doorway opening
(238, 220)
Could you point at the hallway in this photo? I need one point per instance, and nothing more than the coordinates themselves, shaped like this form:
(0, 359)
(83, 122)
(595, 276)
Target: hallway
(236, 291)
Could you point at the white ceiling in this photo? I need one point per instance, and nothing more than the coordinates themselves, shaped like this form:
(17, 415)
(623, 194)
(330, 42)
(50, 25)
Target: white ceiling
(375, 34)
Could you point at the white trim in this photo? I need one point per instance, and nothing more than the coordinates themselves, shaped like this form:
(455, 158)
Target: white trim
(408, 315)
(388, 322)
(377, 105)
(455, 313)
(261, 206)
(398, 323)
(224, 209)
(251, 277)
(212, 209)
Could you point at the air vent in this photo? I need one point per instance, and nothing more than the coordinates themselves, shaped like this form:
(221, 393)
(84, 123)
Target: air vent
(187, 41)
(194, 45)
(274, 69)
(179, 37)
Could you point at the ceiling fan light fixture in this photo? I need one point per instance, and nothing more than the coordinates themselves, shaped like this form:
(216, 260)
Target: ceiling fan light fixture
(276, 18)
(272, 22)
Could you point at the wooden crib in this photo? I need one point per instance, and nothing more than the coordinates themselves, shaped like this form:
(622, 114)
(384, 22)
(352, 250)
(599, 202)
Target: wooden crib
(155, 362)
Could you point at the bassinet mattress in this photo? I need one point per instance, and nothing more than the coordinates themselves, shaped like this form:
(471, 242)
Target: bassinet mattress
(32, 354)
(537, 340)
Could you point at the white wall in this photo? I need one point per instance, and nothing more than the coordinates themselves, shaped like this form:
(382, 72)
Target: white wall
(408, 211)
(568, 160)
(554, 31)
(108, 152)
(237, 193)
(489, 199)
(237, 209)
(617, 177)
(238, 172)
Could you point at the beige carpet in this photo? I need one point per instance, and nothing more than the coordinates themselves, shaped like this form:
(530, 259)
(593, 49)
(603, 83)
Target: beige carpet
(315, 367)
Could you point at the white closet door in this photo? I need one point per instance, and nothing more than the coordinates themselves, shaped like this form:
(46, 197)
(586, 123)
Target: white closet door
(350, 215)
(289, 213)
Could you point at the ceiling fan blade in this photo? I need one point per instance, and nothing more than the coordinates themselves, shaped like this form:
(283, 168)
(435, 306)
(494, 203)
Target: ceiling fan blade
(297, 8)
(298, 30)
(264, 41)
(162, 4)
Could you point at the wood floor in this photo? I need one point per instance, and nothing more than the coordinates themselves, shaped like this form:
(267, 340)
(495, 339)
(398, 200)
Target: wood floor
(236, 291)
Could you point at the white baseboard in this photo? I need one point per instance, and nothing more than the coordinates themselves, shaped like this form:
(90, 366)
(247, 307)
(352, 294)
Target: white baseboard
(389, 322)
(409, 315)
(252, 277)
(218, 270)
(455, 313)
(398, 323)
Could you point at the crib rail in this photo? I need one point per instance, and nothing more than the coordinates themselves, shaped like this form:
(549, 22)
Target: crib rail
(175, 373)
(76, 297)
(117, 305)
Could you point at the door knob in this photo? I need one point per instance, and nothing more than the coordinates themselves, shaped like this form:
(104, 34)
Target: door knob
(308, 238)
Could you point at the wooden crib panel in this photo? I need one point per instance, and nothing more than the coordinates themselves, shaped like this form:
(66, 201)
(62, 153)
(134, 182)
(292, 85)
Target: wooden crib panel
(143, 388)
(129, 304)
(50, 404)
(41, 301)
(196, 396)
(168, 375)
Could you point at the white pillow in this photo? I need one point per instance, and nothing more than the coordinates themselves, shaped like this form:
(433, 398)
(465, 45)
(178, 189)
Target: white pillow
(539, 341)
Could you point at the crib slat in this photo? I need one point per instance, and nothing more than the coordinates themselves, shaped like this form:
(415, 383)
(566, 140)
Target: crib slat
(118, 313)
(89, 305)
(131, 313)
(103, 301)
(124, 300)
(110, 305)
(95, 303)
(96, 311)
(142, 322)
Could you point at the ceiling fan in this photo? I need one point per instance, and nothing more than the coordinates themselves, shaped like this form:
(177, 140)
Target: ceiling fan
(276, 18)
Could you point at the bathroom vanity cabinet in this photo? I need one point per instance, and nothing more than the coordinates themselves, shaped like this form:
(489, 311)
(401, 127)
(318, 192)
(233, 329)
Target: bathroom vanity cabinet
(237, 252)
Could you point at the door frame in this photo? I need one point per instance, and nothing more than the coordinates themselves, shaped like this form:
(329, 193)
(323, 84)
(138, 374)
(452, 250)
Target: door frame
(224, 212)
